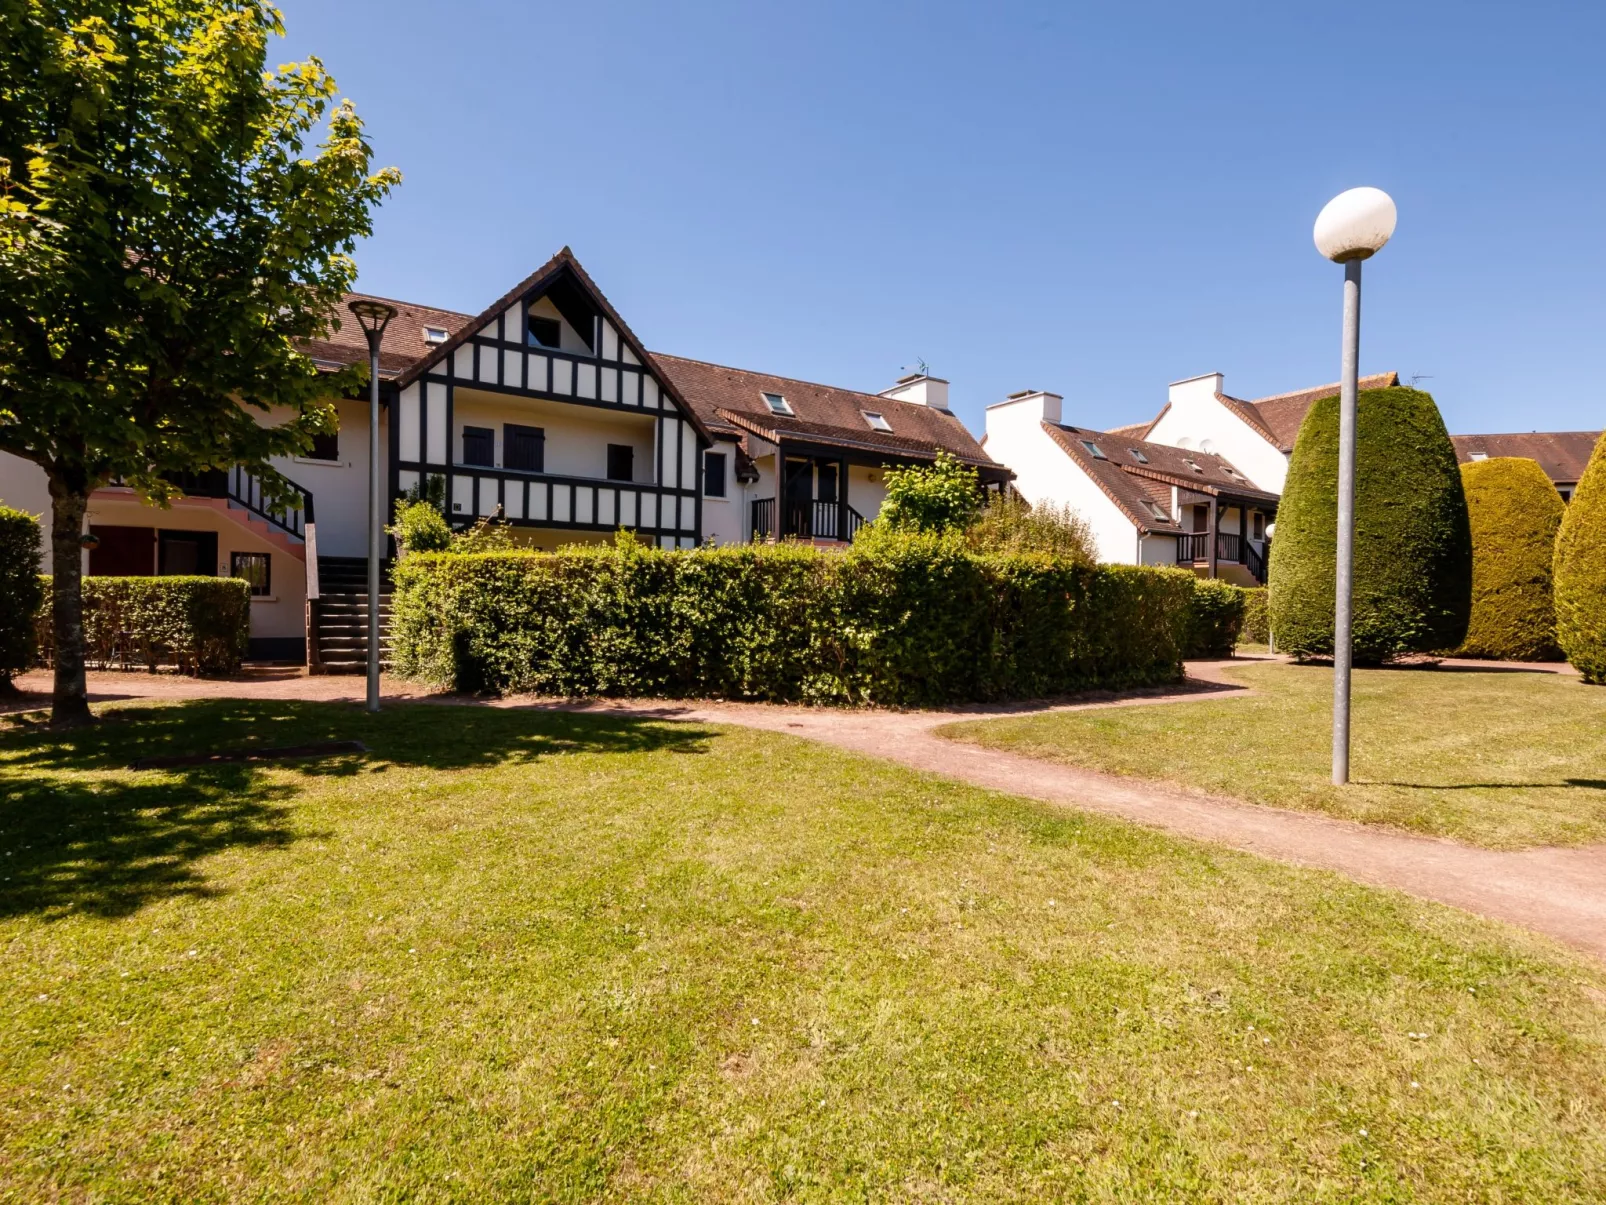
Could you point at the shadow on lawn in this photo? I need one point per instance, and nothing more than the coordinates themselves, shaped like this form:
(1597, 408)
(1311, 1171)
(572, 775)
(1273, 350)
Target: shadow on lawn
(111, 841)
(1593, 784)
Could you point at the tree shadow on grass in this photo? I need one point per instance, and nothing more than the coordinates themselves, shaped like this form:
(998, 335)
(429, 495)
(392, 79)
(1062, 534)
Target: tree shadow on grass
(81, 832)
(1594, 784)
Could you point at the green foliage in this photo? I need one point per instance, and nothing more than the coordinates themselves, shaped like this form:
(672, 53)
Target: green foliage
(1515, 512)
(912, 621)
(21, 592)
(1413, 547)
(941, 496)
(490, 533)
(1257, 617)
(1216, 618)
(420, 527)
(1009, 524)
(1580, 568)
(202, 625)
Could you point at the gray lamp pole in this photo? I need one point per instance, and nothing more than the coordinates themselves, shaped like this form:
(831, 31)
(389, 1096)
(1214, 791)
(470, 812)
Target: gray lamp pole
(373, 316)
(1352, 227)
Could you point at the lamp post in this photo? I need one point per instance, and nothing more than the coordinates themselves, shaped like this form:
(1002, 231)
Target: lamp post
(1352, 227)
(373, 316)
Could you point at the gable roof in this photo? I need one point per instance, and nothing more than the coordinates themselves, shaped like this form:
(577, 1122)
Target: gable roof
(1277, 418)
(1131, 484)
(731, 400)
(404, 337)
(1561, 454)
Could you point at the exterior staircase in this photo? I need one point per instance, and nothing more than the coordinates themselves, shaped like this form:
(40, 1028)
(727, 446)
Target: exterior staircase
(337, 620)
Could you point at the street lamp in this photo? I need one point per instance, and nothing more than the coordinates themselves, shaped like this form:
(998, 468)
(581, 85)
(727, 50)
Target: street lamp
(373, 316)
(1352, 227)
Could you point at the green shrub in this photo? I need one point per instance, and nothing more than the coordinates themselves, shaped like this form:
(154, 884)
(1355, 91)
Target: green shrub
(912, 621)
(1257, 617)
(1413, 547)
(1009, 524)
(1580, 568)
(200, 624)
(21, 594)
(941, 496)
(1215, 618)
(420, 527)
(1515, 512)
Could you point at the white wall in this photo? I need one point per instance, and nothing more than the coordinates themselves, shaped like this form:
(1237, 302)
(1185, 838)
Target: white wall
(340, 487)
(1044, 472)
(577, 437)
(1197, 420)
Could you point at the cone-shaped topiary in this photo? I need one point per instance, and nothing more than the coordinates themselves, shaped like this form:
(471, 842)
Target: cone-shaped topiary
(1580, 568)
(1514, 510)
(1413, 549)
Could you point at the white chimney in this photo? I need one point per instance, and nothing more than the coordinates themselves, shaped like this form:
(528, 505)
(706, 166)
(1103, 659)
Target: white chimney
(1200, 388)
(920, 389)
(1028, 405)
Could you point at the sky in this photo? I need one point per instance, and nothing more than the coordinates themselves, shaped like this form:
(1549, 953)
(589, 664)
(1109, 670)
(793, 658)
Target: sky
(1093, 199)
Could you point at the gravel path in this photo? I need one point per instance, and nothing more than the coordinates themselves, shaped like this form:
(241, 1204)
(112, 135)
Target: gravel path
(1559, 892)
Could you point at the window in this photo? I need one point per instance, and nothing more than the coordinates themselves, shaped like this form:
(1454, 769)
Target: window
(1259, 526)
(621, 462)
(254, 568)
(878, 422)
(1566, 492)
(434, 334)
(186, 552)
(1480, 456)
(524, 448)
(1093, 450)
(1138, 456)
(479, 446)
(1159, 512)
(777, 404)
(545, 332)
(326, 446)
(714, 474)
(1193, 465)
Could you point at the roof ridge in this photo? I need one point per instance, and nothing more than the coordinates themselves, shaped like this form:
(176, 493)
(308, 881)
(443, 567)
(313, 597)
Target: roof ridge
(417, 305)
(1336, 385)
(797, 381)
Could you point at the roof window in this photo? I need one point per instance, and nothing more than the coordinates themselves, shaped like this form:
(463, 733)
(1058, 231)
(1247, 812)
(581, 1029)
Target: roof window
(1138, 456)
(434, 334)
(777, 404)
(1480, 456)
(1158, 511)
(1193, 464)
(878, 422)
(1094, 450)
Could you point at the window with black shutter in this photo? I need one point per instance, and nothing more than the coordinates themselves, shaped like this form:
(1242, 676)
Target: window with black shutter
(523, 448)
(479, 446)
(714, 474)
(621, 462)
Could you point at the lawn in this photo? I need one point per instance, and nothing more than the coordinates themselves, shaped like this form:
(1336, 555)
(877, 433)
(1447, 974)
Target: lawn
(505, 956)
(1496, 758)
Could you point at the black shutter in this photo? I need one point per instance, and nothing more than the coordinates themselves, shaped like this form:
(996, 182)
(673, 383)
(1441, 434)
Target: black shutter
(523, 448)
(714, 474)
(479, 446)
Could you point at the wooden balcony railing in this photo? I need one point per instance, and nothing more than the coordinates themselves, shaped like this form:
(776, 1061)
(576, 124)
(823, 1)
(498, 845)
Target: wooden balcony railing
(804, 520)
(1193, 548)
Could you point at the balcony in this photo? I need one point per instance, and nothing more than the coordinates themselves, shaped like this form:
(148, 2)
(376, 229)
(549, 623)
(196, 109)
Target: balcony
(804, 520)
(550, 500)
(1193, 548)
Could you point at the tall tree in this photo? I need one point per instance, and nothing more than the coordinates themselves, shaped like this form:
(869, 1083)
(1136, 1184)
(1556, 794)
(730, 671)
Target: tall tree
(167, 239)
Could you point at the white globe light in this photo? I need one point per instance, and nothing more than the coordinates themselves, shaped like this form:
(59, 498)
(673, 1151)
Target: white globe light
(1355, 224)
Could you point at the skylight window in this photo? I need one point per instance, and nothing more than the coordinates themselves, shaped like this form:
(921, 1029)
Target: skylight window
(1480, 456)
(1094, 450)
(777, 404)
(877, 422)
(1138, 456)
(1159, 512)
(1193, 465)
(434, 334)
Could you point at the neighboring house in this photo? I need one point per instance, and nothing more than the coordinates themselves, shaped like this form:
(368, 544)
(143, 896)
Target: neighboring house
(546, 408)
(1146, 503)
(1561, 454)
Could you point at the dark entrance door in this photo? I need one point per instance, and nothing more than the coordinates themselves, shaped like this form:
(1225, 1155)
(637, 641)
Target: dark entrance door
(122, 551)
(186, 552)
(798, 499)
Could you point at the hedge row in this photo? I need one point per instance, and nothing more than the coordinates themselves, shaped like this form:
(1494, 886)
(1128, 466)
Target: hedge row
(199, 624)
(20, 592)
(1257, 617)
(1216, 618)
(1515, 511)
(907, 622)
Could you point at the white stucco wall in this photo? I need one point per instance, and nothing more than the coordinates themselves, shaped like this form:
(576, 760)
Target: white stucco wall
(339, 488)
(1197, 420)
(577, 437)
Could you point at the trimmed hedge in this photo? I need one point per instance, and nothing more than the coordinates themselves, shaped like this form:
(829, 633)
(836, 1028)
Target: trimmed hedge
(1257, 617)
(915, 620)
(200, 624)
(1515, 512)
(1216, 617)
(1413, 545)
(1580, 569)
(21, 594)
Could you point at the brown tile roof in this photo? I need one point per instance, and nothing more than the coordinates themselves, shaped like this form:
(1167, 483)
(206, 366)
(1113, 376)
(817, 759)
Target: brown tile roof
(1130, 483)
(1277, 417)
(1561, 454)
(404, 337)
(1131, 430)
(729, 399)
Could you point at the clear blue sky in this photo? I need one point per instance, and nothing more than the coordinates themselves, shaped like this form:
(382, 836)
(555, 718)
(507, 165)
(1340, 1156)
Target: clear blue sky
(1094, 199)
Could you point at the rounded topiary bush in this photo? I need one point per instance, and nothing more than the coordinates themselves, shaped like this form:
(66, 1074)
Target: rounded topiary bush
(1514, 511)
(1413, 548)
(1580, 569)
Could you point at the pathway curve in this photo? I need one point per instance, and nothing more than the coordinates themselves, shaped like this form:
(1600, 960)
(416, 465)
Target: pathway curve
(1557, 891)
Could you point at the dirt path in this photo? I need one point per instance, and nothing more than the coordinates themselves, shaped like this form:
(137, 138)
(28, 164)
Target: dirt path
(1559, 892)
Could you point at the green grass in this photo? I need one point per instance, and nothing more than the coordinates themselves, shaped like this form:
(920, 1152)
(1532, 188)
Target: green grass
(1498, 759)
(512, 957)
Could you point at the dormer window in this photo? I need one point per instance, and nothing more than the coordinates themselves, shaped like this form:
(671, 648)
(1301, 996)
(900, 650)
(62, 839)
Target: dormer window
(877, 422)
(1159, 512)
(434, 334)
(1094, 450)
(1138, 456)
(777, 404)
(544, 332)
(1194, 466)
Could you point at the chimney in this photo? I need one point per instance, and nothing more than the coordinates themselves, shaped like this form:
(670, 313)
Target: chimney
(920, 389)
(1205, 387)
(1029, 405)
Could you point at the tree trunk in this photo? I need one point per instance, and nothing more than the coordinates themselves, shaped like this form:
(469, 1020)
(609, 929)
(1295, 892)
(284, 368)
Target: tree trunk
(70, 702)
